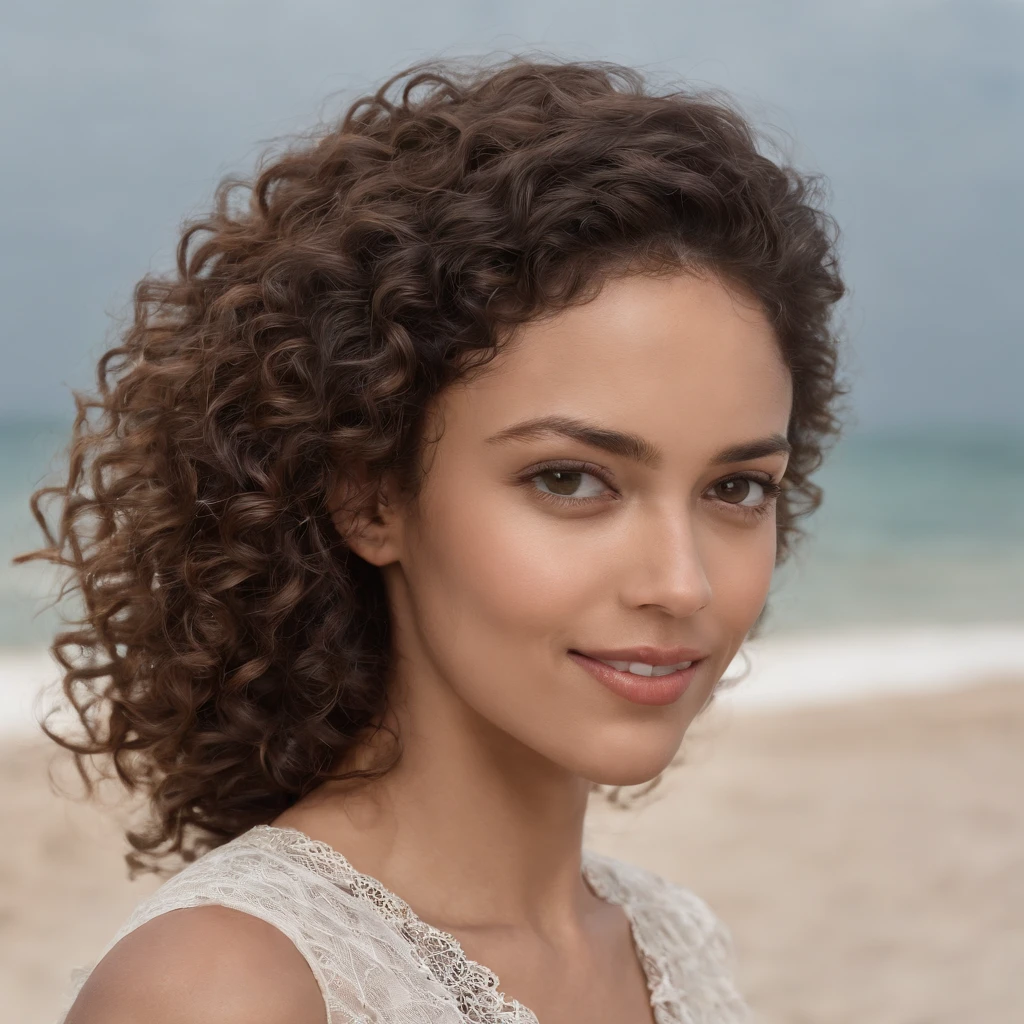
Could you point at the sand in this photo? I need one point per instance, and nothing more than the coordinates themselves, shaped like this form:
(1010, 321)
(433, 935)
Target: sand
(867, 856)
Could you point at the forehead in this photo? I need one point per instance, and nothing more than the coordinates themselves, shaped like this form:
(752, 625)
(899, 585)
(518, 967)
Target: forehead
(669, 357)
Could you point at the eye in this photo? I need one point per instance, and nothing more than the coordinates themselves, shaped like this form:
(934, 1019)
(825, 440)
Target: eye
(569, 483)
(748, 494)
(738, 489)
(577, 485)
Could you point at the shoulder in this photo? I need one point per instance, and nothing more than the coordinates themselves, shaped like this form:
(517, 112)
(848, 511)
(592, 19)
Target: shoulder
(197, 965)
(683, 935)
(647, 892)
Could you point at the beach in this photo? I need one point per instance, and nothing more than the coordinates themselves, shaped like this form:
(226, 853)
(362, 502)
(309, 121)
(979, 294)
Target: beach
(868, 856)
(850, 808)
(863, 843)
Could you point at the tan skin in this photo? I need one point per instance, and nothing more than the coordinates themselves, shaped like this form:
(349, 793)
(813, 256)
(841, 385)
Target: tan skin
(491, 582)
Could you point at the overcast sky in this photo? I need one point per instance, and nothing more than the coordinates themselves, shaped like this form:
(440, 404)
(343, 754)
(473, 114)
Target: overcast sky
(119, 117)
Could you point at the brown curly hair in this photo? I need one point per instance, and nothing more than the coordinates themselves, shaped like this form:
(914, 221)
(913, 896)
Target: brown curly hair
(231, 648)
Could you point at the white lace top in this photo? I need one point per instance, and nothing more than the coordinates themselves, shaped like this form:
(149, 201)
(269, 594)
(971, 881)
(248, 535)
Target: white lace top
(376, 961)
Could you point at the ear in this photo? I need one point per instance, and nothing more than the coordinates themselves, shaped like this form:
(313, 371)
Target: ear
(367, 516)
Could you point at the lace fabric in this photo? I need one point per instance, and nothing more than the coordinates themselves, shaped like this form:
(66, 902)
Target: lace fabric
(375, 960)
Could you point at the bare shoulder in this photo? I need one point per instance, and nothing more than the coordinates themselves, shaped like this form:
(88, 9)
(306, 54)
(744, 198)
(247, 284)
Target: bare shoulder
(201, 965)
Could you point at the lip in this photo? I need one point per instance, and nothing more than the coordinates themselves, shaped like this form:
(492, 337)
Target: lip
(651, 690)
(648, 655)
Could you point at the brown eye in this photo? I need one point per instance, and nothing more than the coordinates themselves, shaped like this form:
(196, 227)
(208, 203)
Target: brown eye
(566, 483)
(738, 491)
(562, 482)
(734, 491)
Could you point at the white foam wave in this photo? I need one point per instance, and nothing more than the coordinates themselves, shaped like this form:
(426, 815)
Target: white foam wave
(785, 670)
(822, 667)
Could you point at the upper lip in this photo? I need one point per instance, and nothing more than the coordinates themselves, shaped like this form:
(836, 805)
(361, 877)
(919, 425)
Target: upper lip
(645, 655)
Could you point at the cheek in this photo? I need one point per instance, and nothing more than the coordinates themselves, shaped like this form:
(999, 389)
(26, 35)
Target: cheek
(499, 565)
(741, 575)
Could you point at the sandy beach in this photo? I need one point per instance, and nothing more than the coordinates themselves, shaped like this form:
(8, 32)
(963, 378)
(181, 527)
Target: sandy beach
(867, 855)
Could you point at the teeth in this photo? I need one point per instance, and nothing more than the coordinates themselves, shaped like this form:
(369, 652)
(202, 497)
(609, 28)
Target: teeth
(639, 668)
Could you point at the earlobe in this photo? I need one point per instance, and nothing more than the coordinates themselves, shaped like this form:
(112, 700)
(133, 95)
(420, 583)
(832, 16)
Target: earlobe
(365, 520)
(373, 541)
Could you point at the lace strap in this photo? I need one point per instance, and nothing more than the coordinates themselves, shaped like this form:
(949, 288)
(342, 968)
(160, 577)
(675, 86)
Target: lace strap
(689, 950)
(363, 968)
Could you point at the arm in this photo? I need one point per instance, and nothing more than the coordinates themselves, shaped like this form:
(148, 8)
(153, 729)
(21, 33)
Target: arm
(201, 965)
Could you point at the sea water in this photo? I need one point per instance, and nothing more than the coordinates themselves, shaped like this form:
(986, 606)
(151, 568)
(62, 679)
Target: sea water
(911, 573)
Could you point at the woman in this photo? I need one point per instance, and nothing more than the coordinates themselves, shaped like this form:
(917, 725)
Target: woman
(436, 488)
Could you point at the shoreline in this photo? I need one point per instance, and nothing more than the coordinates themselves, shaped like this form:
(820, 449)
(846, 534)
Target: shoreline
(787, 669)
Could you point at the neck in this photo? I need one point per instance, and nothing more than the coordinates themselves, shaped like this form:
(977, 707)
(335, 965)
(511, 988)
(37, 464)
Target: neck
(471, 827)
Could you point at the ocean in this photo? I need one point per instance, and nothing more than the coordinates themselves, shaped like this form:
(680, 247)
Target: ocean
(921, 536)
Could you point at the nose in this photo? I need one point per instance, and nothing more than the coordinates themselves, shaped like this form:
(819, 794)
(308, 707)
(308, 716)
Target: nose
(666, 568)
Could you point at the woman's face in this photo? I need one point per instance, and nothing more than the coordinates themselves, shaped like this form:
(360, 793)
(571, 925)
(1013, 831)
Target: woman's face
(635, 526)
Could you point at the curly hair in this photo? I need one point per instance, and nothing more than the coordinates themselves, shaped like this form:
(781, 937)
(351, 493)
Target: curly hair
(231, 648)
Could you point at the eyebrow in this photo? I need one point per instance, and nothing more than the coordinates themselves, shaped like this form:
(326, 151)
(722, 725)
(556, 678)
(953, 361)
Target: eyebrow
(627, 445)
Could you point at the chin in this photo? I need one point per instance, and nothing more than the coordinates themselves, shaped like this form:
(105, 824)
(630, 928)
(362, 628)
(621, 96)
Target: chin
(616, 779)
(627, 761)
(626, 774)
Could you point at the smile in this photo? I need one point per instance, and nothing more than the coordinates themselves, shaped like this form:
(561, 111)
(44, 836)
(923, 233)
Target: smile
(638, 668)
(640, 682)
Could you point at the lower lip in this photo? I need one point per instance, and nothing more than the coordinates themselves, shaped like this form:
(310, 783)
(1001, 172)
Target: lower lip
(656, 690)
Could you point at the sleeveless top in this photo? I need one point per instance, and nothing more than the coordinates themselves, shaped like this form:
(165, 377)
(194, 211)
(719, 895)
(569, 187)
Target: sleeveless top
(376, 961)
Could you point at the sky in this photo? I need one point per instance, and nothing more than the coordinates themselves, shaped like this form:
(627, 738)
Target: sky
(119, 117)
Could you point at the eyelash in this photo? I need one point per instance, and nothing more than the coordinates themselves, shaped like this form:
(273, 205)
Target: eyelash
(771, 488)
